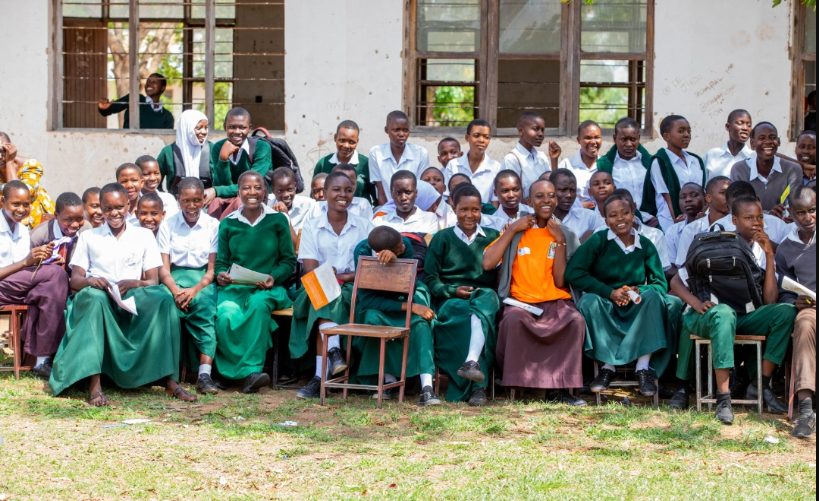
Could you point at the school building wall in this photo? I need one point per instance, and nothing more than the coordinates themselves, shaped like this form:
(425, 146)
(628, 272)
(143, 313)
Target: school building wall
(344, 60)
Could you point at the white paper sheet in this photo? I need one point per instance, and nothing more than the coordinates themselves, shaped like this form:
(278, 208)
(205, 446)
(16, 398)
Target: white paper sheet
(128, 305)
(795, 287)
(243, 276)
(534, 310)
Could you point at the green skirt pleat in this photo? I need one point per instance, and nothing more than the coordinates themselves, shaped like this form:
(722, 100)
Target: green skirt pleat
(305, 318)
(244, 328)
(132, 350)
(619, 336)
(199, 322)
(662, 360)
(452, 332)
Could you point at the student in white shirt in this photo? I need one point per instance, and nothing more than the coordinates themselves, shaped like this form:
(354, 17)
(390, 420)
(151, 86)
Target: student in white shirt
(298, 209)
(387, 159)
(525, 159)
(152, 178)
(329, 239)
(26, 280)
(476, 164)
(583, 222)
(406, 216)
(692, 202)
(360, 206)
(584, 164)
(130, 177)
(720, 160)
(188, 242)
(509, 192)
(101, 338)
(150, 212)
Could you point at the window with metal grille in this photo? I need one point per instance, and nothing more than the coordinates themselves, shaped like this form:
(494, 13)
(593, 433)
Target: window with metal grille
(804, 67)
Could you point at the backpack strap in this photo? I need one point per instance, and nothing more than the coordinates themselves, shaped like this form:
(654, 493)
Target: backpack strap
(205, 173)
(251, 142)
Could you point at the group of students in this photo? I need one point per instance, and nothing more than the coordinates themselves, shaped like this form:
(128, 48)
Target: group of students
(532, 266)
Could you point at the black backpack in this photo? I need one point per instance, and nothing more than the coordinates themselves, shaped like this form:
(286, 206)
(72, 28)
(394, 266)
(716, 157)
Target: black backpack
(722, 266)
(419, 249)
(283, 156)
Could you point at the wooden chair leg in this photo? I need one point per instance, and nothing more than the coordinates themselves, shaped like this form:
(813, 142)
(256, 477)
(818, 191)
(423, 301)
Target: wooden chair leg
(381, 372)
(598, 397)
(16, 342)
(698, 375)
(403, 386)
(791, 391)
(512, 395)
(347, 372)
(759, 376)
(437, 381)
(323, 368)
(274, 378)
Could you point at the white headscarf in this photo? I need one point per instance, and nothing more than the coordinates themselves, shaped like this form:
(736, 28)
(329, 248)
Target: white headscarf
(187, 141)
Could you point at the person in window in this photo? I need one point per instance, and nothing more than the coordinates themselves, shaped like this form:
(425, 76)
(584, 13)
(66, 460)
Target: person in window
(152, 114)
(810, 118)
(13, 167)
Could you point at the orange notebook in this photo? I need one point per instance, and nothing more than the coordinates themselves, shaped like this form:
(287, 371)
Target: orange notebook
(321, 286)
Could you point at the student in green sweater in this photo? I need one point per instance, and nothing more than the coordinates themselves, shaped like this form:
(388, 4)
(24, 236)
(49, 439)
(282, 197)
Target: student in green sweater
(346, 139)
(384, 308)
(461, 290)
(233, 156)
(624, 287)
(152, 114)
(257, 238)
(189, 155)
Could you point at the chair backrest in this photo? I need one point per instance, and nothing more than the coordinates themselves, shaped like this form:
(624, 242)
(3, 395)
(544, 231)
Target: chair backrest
(398, 276)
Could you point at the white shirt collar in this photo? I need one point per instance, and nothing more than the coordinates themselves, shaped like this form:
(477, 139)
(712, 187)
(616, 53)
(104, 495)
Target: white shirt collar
(407, 156)
(638, 158)
(531, 155)
(746, 152)
(794, 236)
(777, 167)
(629, 249)
(181, 222)
(684, 161)
(156, 107)
(353, 160)
(324, 222)
(244, 149)
(241, 217)
(5, 228)
(58, 232)
(468, 240)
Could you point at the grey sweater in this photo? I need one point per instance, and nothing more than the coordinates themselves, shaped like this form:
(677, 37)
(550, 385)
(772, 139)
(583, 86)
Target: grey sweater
(796, 261)
(771, 193)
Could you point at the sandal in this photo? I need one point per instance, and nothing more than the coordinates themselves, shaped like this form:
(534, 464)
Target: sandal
(98, 399)
(182, 394)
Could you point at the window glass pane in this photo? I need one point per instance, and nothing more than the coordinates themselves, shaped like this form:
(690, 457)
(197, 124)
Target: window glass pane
(447, 92)
(611, 90)
(119, 9)
(225, 9)
(161, 9)
(810, 31)
(810, 77)
(614, 26)
(81, 8)
(449, 25)
(530, 26)
(528, 86)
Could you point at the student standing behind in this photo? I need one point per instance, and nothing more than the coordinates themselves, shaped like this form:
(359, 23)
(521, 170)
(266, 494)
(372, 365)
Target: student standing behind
(584, 164)
(257, 238)
(387, 159)
(188, 243)
(525, 159)
(152, 180)
(68, 223)
(509, 193)
(546, 351)
(131, 350)
(806, 154)
(298, 209)
(461, 289)
(317, 191)
(601, 186)
(150, 213)
(692, 202)
(719, 161)
(796, 259)
(476, 164)
(189, 155)
(129, 176)
(91, 207)
(25, 280)
(152, 114)
(443, 211)
(407, 217)
(448, 150)
(582, 222)
(346, 139)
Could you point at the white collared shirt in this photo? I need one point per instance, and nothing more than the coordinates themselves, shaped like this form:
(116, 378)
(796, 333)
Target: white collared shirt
(360, 207)
(794, 236)
(777, 167)
(654, 235)
(446, 216)
(630, 175)
(631, 248)
(103, 255)
(582, 221)
(353, 160)
(155, 107)
(169, 203)
(468, 240)
(483, 179)
(383, 165)
(241, 217)
(688, 171)
(583, 174)
(320, 243)
(303, 210)
(499, 220)
(672, 237)
(245, 149)
(719, 161)
(421, 222)
(529, 165)
(186, 246)
(14, 245)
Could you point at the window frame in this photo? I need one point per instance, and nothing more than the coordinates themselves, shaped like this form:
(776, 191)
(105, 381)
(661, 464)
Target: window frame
(800, 56)
(489, 56)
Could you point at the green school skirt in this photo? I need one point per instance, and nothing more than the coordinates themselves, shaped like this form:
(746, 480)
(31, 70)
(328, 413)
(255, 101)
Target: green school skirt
(305, 318)
(132, 350)
(452, 333)
(199, 322)
(244, 328)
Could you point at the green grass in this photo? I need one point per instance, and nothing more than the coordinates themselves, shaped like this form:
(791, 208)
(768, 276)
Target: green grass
(231, 447)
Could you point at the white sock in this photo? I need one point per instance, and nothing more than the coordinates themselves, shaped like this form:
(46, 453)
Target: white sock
(642, 362)
(426, 380)
(205, 369)
(477, 341)
(610, 367)
(41, 360)
(389, 379)
(318, 367)
(333, 342)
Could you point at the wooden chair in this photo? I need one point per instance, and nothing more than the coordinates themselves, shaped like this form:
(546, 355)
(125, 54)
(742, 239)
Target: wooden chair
(710, 398)
(286, 313)
(17, 314)
(398, 276)
(624, 384)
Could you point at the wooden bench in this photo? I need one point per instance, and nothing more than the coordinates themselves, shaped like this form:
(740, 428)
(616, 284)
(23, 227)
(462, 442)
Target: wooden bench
(17, 314)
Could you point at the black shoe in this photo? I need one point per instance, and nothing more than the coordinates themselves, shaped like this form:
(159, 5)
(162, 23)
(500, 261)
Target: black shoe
(336, 362)
(739, 384)
(221, 383)
(428, 397)
(666, 393)
(254, 382)
(472, 371)
(389, 394)
(647, 383)
(806, 421)
(205, 385)
(478, 398)
(680, 399)
(602, 382)
(585, 390)
(42, 371)
(564, 397)
(775, 405)
(725, 413)
(312, 390)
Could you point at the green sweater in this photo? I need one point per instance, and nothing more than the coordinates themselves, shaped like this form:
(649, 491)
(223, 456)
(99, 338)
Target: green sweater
(450, 264)
(386, 302)
(599, 266)
(148, 118)
(362, 189)
(672, 182)
(167, 167)
(226, 174)
(264, 248)
(606, 162)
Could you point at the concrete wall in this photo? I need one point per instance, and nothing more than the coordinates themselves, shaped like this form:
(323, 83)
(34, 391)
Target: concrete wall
(344, 61)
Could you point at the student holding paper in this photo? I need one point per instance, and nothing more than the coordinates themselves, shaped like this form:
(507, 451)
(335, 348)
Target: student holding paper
(328, 239)
(101, 338)
(257, 238)
(543, 351)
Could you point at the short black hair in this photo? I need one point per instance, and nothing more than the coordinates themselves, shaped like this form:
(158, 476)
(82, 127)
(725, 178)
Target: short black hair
(126, 166)
(624, 194)
(342, 168)
(252, 173)
(449, 140)
(336, 175)
(478, 122)
(739, 189)
(626, 123)
(618, 196)
(504, 174)
(4, 137)
(736, 114)
(561, 173)
(13, 186)
(67, 199)
(586, 124)
(144, 159)
(283, 173)
(668, 123)
(532, 187)
(529, 116)
(802, 193)
(698, 186)
(403, 175)
(149, 198)
(94, 190)
(714, 181)
(113, 188)
(321, 176)
(349, 125)
(808, 132)
(190, 183)
(464, 191)
(763, 124)
(396, 115)
(458, 176)
(237, 112)
(812, 97)
(384, 238)
(436, 169)
(743, 200)
(160, 77)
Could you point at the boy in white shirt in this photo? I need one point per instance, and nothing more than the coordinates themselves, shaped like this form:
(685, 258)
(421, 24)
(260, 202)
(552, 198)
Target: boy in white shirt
(476, 164)
(407, 217)
(584, 164)
(583, 222)
(298, 209)
(720, 160)
(387, 159)
(525, 159)
(152, 178)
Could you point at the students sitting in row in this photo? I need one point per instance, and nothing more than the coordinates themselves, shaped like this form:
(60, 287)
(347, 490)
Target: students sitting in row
(101, 338)
(346, 139)
(526, 160)
(387, 159)
(91, 207)
(68, 223)
(151, 182)
(543, 351)
(407, 217)
(150, 213)
(719, 161)
(476, 164)
(583, 222)
(258, 239)
(509, 192)
(189, 155)
(584, 164)
(188, 243)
